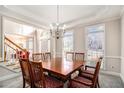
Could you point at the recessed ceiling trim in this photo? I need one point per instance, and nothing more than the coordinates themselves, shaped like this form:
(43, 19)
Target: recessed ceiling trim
(83, 16)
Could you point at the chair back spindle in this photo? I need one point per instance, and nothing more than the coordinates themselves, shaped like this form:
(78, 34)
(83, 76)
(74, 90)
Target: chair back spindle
(79, 56)
(47, 55)
(70, 56)
(38, 56)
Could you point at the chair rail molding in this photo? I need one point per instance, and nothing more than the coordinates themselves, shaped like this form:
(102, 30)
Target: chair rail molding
(114, 57)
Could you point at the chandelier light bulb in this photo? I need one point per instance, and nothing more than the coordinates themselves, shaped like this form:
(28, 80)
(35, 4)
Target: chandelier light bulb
(51, 26)
(57, 24)
(64, 26)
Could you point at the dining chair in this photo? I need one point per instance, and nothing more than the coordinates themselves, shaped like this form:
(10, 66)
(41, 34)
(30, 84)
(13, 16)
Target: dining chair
(83, 82)
(26, 72)
(38, 56)
(70, 56)
(47, 55)
(88, 71)
(79, 56)
(40, 80)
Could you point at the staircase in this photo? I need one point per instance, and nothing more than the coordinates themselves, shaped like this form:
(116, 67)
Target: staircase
(12, 53)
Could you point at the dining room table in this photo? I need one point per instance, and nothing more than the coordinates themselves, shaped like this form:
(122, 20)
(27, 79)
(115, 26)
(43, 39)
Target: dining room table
(61, 67)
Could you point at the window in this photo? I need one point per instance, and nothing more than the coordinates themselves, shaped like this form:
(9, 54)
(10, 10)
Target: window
(95, 41)
(45, 41)
(26, 30)
(68, 42)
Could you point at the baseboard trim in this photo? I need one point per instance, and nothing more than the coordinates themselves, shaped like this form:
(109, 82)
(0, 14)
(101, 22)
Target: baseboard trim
(110, 73)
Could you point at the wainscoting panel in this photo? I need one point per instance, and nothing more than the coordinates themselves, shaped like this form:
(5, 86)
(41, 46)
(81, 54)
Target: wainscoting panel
(113, 63)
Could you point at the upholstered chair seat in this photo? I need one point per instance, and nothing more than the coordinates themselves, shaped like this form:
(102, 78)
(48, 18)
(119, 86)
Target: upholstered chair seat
(77, 83)
(88, 71)
(86, 75)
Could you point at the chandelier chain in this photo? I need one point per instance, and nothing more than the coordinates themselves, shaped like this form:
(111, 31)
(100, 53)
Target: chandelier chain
(58, 14)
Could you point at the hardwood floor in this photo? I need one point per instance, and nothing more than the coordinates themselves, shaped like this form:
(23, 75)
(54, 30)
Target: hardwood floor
(14, 80)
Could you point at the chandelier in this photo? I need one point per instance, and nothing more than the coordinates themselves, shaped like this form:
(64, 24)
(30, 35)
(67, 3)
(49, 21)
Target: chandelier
(57, 30)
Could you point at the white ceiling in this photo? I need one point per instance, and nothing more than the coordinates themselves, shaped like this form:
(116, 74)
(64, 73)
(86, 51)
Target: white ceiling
(68, 14)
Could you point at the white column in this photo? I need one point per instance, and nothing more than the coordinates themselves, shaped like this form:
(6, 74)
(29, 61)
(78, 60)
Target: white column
(59, 46)
(1, 38)
(53, 46)
(35, 42)
(122, 47)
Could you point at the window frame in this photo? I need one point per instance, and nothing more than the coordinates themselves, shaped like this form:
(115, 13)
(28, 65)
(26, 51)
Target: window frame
(104, 44)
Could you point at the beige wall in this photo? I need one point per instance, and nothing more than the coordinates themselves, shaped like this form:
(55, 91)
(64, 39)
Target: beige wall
(113, 46)
(79, 39)
(122, 51)
(113, 38)
(11, 27)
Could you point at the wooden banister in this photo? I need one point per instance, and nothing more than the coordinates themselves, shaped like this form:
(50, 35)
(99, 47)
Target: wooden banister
(14, 44)
(10, 46)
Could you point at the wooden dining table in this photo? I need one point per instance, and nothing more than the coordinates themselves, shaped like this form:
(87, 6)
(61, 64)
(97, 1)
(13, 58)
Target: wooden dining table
(61, 67)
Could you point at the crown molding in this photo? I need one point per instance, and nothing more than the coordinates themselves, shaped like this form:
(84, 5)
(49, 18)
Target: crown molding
(94, 22)
(11, 15)
(33, 20)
